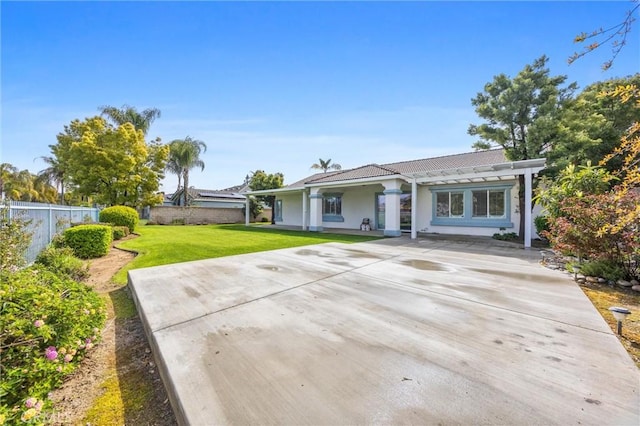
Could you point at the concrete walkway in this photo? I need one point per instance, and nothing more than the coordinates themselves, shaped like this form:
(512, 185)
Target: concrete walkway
(387, 332)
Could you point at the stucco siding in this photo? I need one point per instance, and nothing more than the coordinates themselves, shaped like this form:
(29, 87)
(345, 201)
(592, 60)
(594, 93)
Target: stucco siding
(357, 203)
(291, 209)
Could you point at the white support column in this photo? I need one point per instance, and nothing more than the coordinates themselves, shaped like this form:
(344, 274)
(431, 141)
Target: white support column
(527, 207)
(392, 208)
(315, 210)
(304, 210)
(247, 211)
(414, 208)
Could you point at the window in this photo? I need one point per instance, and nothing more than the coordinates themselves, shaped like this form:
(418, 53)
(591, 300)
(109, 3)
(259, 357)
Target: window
(450, 204)
(488, 203)
(277, 213)
(473, 205)
(332, 208)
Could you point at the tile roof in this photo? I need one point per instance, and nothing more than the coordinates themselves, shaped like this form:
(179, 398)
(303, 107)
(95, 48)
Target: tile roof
(447, 162)
(363, 172)
(456, 161)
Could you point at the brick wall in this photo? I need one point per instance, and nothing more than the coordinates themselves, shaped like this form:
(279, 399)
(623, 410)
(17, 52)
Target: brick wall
(166, 215)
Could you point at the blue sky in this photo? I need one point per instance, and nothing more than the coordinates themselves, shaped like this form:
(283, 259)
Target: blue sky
(275, 86)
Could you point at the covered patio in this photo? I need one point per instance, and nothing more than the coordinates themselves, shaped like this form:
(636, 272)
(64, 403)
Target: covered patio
(416, 179)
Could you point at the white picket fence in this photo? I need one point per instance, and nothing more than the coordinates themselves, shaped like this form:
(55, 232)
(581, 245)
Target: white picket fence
(47, 220)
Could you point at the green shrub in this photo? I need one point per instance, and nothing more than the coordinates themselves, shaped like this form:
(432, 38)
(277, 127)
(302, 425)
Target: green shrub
(89, 241)
(602, 268)
(264, 219)
(178, 222)
(542, 224)
(508, 236)
(61, 261)
(120, 216)
(14, 240)
(49, 324)
(120, 232)
(58, 241)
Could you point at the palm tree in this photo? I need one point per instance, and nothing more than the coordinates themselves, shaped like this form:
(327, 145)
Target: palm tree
(7, 171)
(128, 114)
(54, 174)
(326, 165)
(173, 167)
(185, 155)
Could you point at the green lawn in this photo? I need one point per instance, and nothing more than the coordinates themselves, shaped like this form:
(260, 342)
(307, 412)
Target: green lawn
(161, 245)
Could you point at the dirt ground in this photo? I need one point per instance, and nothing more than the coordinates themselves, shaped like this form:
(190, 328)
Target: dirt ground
(122, 360)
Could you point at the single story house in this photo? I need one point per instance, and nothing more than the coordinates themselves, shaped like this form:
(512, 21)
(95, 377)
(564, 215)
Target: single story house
(474, 193)
(216, 198)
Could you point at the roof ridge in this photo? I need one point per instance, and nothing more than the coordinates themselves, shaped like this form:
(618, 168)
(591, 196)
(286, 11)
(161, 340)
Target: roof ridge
(445, 156)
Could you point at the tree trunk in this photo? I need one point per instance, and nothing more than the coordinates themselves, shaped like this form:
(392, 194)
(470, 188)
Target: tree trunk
(521, 205)
(185, 195)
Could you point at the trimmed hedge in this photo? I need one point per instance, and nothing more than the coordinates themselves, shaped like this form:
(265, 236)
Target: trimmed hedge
(89, 241)
(120, 216)
(120, 232)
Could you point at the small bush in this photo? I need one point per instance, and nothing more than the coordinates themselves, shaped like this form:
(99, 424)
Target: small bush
(178, 222)
(120, 232)
(264, 219)
(542, 224)
(602, 268)
(62, 262)
(89, 241)
(120, 216)
(509, 236)
(49, 324)
(14, 241)
(58, 241)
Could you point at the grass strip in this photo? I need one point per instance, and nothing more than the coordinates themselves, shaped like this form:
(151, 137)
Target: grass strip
(162, 245)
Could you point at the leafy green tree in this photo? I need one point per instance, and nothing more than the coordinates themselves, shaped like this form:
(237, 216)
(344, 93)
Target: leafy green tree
(572, 182)
(255, 208)
(54, 174)
(261, 181)
(184, 155)
(6, 172)
(128, 114)
(325, 165)
(22, 185)
(522, 115)
(592, 126)
(111, 165)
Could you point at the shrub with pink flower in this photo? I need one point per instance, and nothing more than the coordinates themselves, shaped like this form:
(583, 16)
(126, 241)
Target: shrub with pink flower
(43, 314)
(51, 353)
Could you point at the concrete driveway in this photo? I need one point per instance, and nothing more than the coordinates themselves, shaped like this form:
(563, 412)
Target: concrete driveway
(387, 332)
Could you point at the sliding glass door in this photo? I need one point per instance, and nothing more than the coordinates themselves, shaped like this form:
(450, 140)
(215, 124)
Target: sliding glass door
(405, 211)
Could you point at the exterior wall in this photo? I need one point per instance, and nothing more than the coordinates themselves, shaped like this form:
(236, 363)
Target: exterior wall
(218, 204)
(164, 215)
(266, 214)
(358, 202)
(291, 209)
(425, 209)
